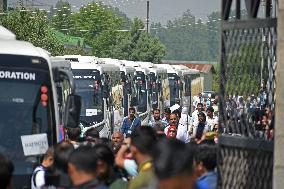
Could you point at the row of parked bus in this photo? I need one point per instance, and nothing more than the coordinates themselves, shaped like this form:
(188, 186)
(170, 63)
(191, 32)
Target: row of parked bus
(41, 94)
(108, 87)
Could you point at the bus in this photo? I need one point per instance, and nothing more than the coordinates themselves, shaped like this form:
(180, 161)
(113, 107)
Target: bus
(174, 79)
(101, 92)
(29, 117)
(191, 85)
(127, 80)
(64, 88)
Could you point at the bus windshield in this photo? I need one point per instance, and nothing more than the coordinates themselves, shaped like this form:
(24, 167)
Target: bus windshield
(140, 81)
(23, 109)
(88, 86)
(174, 87)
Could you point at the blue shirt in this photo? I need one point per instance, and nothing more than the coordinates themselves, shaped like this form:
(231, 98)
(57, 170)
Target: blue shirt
(128, 126)
(208, 181)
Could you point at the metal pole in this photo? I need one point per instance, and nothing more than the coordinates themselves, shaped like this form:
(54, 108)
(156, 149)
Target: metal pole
(278, 169)
(147, 19)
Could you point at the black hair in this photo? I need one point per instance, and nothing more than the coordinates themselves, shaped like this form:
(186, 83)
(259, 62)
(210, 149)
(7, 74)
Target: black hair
(6, 171)
(210, 108)
(165, 159)
(156, 109)
(132, 108)
(200, 104)
(92, 133)
(177, 112)
(202, 114)
(62, 152)
(167, 110)
(144, 138)
(74, 133)
(84, 158)
(207, 154)
(104, 153)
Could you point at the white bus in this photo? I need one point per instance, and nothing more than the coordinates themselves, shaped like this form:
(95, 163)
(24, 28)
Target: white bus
(101, 92)
(29, 118)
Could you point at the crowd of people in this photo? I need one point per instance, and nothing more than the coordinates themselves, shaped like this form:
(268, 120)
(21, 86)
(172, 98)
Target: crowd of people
(162, 154)
(174, 149)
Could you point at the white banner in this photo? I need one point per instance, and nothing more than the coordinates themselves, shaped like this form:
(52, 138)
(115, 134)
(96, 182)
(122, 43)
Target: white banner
(34, 144)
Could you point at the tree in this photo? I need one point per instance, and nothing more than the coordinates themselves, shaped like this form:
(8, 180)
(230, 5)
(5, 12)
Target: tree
(32, 27)
(61, 17)
(139, 45)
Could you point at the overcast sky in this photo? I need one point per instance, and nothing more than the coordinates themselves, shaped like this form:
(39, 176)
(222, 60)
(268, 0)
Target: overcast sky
(160, 10)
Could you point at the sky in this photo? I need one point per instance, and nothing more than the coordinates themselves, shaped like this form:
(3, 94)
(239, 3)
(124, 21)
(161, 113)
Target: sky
(160, 10)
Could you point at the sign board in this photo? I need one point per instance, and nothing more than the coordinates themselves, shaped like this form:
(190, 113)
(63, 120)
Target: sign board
(34, 144)
(91, 112)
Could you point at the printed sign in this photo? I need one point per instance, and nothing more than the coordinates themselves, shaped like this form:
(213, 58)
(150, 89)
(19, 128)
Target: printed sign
(91, 112)
(17, 75)
(34, 144)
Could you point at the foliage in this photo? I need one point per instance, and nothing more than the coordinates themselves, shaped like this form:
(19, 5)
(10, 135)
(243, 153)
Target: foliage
(187, 38)
(139, 45)
(32, 27)
(61, 17)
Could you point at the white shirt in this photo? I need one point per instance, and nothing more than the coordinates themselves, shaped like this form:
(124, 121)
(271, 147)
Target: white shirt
(182, 133)
(185, 120)
(195, 117)
(211, 122)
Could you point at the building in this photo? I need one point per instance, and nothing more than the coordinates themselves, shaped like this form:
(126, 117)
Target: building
(206, 70)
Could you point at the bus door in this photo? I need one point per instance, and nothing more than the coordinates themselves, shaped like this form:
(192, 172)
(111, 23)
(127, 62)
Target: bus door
(89, 87)
(174, 81)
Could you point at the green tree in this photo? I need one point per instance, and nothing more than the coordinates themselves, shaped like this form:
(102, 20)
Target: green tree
(32, 27)
(61, 17)
(139, 45)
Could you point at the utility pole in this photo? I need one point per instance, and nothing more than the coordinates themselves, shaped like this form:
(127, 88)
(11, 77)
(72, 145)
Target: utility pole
(278, 172)
(147, 19)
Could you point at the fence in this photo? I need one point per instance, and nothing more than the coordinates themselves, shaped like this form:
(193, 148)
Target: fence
(247, 94)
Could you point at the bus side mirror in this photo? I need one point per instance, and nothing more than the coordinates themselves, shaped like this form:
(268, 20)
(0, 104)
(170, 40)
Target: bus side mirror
(134, 101)
(72, 111)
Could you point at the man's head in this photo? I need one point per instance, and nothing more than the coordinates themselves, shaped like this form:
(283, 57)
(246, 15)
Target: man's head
(74, 133)
(132, 112)
(92, 136)
(199, 107)
(210, 111)
(6, 171)
(201, 117)
(143, 140)
(156, 114)
(82, 165)
(173, 172)
(174, 119)
(105, 161)
(167, 113)
(205, 158)
(62, 152)
(177, 112)
(117, 139)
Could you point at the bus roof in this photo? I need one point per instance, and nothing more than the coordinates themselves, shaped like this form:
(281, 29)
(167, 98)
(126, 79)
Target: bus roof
(15, 47)
(158, 70)
(6, 34)
(146, 64)
(130, 63)
(91, 66)
(60, 63)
